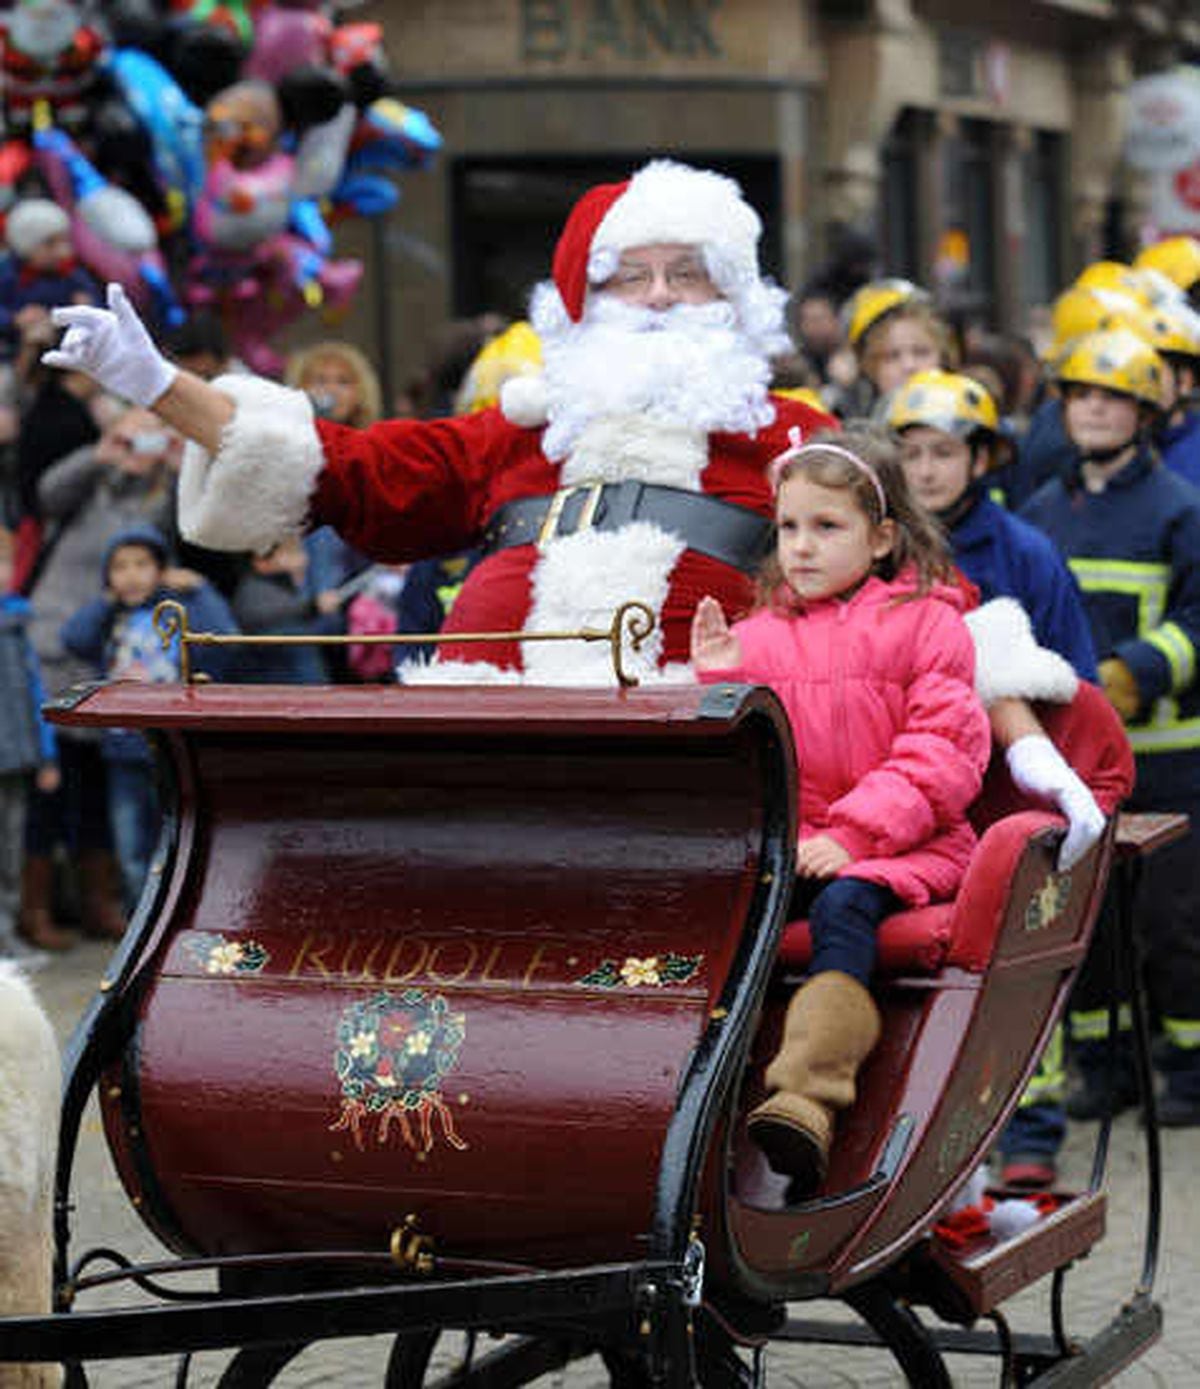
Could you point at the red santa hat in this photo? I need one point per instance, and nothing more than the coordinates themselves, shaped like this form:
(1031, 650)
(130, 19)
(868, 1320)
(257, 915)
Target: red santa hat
(664, 203)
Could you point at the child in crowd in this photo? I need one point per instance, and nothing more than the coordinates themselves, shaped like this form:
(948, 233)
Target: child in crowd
(115, 632)
(1173, 330)
(895, 331)
(950, 444)
(950, 448)
(275, 597)
(372, 612)
(861, 635)
(26, 745)
(1130, 529)
(39, 275)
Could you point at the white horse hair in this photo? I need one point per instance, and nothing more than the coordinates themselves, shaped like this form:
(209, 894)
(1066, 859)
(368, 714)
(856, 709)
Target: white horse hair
(29, 1101)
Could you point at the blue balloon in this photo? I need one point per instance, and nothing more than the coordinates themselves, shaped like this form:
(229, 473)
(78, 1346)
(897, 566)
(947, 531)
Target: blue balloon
(167, 306)
(304, 218)
(174, 123)
(368, 195)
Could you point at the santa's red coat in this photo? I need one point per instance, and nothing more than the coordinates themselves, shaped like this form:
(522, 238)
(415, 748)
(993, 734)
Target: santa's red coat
(404, 490)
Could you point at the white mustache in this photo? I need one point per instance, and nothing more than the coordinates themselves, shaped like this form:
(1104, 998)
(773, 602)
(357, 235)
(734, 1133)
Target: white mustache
(607, 312)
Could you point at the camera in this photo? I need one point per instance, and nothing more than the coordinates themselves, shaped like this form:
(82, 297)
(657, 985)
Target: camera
(150, 441)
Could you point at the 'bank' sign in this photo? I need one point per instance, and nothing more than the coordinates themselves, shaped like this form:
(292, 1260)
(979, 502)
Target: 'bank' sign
(555, 29)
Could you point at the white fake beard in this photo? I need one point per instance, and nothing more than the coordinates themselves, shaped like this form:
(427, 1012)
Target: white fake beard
(688, 366)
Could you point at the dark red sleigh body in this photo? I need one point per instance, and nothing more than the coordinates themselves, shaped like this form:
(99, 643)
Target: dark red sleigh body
(442, 1009)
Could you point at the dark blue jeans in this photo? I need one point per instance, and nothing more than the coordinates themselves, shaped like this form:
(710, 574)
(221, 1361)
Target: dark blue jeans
(133, 811)
(843, 915)
(77, 813)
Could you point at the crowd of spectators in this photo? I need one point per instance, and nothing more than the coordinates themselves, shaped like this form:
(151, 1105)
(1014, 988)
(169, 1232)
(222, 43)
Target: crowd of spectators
(89, 545)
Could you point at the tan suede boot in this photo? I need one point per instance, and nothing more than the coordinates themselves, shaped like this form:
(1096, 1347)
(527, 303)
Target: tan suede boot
(100, 895)
(36, 922)
(832, 1023)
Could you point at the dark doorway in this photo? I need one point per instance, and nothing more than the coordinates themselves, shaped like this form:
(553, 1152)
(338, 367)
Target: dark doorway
(506, 215)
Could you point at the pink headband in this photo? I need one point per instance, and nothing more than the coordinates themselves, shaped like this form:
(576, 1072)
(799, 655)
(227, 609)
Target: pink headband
(798, 449)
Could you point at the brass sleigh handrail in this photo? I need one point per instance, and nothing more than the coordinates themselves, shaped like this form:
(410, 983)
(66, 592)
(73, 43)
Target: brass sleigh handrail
(633, 621)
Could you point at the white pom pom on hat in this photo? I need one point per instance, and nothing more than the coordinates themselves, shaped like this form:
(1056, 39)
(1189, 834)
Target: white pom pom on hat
(32, 221)
(523, 400)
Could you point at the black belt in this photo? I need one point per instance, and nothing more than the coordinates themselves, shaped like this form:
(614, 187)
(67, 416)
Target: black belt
(722, 530)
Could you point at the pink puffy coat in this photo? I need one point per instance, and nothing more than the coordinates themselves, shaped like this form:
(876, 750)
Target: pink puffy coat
(891, 739)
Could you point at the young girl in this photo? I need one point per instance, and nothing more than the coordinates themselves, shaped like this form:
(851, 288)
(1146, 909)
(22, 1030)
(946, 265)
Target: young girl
(860, 633)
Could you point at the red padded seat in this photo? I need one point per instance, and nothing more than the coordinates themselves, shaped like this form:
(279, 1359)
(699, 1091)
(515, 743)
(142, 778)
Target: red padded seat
(924, 940)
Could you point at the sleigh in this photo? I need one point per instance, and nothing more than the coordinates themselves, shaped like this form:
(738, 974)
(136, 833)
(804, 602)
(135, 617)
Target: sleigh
(442, 1010)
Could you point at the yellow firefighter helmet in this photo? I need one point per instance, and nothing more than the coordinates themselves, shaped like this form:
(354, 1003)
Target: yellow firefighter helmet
(874, 301)
(945, 400)
(515, 352)
(1118, 360)
(1178, 258)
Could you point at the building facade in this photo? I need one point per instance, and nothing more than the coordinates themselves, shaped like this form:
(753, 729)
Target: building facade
(978, 146)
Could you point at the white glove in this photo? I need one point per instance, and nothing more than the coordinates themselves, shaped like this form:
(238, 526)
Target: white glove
(112, 346)
(1038, 768)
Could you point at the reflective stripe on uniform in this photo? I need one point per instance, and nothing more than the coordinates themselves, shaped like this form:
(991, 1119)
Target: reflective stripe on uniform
(1182, 1032)
(1164, 733)
(1174, 644)
(1092, 1026)
(1048, 1083)
(1147, 582)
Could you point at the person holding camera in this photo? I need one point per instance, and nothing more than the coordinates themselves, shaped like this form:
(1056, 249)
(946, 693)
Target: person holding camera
(127, 477)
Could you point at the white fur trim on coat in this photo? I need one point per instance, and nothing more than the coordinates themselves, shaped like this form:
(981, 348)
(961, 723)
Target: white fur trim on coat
(1009, 663)
(438, 672)
(579, 582)
(256, 490)
(427, 673)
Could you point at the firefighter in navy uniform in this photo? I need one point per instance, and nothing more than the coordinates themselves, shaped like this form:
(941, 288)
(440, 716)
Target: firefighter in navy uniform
(1130, 529)
(1173, 330)
(950, 447)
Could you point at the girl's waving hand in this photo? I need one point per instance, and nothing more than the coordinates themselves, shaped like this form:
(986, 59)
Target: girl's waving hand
(714, 646)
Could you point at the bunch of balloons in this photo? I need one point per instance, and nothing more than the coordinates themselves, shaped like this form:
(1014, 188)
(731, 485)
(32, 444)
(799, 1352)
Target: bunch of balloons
(203, 151)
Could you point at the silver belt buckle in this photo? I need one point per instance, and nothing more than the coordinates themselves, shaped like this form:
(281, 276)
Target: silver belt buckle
(587, 516)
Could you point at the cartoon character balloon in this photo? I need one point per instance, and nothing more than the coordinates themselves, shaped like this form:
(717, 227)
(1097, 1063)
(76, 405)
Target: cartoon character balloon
(252, 265)
(47, 53)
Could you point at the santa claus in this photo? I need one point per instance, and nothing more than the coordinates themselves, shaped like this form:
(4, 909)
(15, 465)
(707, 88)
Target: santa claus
(633, 467)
